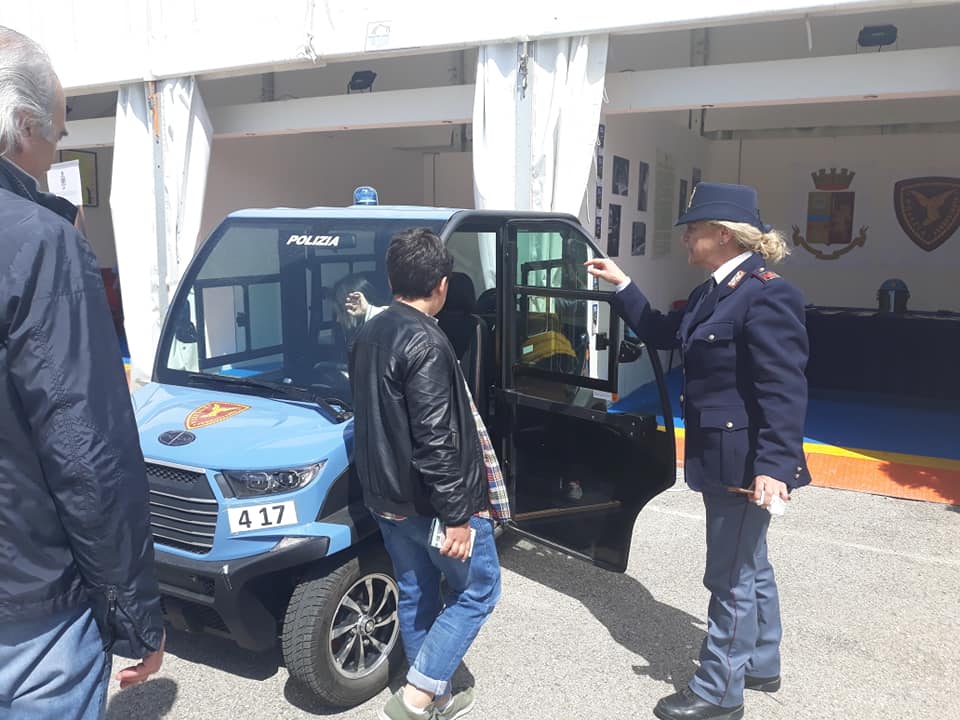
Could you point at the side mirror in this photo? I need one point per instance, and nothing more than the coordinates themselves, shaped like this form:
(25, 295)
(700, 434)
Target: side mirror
(629, 351)
(186, 332)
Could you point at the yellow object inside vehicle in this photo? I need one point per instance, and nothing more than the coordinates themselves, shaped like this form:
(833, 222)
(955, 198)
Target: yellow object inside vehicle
(545, 345)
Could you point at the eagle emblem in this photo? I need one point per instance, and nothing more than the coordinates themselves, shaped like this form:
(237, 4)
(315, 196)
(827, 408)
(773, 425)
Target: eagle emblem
(928, 209)
(212, 413)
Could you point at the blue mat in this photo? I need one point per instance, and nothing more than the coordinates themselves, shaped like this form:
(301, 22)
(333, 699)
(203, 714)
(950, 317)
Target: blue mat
(852, 420)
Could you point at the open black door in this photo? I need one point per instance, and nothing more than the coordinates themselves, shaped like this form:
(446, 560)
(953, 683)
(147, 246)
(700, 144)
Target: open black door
(579, 470)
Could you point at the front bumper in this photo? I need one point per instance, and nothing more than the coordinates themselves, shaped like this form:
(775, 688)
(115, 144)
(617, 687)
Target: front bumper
(217, 596)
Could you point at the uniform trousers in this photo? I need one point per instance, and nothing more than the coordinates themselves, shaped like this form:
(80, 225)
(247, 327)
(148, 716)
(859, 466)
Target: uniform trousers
(743, 628)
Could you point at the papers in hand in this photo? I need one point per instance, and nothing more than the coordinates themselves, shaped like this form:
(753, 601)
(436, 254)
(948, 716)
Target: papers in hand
(438, 535)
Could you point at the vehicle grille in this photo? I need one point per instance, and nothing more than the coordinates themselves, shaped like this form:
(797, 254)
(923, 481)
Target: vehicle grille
(183, 509)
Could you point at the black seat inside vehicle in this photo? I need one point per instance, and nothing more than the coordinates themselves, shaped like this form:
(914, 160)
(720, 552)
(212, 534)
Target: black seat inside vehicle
(468, 334)
(487, 307)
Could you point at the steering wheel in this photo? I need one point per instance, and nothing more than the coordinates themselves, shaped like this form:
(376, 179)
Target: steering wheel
(329, 377)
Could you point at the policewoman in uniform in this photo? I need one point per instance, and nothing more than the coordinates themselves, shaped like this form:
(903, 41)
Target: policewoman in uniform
(744, 348)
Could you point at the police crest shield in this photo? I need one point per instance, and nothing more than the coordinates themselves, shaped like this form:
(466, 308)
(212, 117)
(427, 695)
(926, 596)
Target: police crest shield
(830, 216)
(212, 413)
(928, 209)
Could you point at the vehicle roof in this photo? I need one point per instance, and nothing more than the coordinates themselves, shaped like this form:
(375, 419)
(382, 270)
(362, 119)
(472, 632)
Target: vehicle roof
(366, 212)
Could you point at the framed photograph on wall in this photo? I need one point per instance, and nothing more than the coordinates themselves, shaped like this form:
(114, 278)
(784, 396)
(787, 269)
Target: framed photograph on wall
(599, 166)
(642, 186)
(682, 198)
(88, 174)
(599, 197)
(613, 231)
(597, 226)
(621, 175)
(638, 239)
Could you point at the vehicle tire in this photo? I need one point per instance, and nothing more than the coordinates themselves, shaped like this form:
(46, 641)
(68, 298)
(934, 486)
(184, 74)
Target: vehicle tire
(341, 634)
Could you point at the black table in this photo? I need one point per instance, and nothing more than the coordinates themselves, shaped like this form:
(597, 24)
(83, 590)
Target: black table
(909, 354)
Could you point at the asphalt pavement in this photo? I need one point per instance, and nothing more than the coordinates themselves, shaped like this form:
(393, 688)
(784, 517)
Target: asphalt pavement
(870, 595)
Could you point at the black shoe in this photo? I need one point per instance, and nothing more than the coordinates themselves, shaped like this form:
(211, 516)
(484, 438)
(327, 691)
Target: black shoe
(767, 685)
(685, 705)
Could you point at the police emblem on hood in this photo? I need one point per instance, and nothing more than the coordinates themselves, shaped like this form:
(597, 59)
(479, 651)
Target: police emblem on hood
(212, 413)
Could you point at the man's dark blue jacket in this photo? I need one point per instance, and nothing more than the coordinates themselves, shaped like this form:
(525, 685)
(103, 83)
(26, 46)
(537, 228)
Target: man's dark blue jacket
(744, 350)
(74, 516)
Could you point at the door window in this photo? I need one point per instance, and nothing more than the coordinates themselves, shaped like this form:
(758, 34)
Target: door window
(562, 324)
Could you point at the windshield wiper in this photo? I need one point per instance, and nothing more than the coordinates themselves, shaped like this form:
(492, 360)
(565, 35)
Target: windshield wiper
(289, 392)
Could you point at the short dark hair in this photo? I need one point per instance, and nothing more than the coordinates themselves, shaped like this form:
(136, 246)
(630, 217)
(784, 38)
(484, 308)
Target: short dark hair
(417, 260)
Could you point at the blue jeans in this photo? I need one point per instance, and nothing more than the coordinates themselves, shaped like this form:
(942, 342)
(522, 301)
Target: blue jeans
(437, 630)
(53, 668)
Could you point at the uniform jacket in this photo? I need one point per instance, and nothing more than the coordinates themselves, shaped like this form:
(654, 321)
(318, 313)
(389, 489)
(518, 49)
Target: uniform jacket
(744, 349)
(417, 451)
(74, 519)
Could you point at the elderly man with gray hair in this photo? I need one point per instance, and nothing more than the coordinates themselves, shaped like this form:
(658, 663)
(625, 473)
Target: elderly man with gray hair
(76, 558)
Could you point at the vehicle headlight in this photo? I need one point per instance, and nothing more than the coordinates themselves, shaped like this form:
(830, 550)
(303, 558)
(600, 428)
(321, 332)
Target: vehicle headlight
(254, 483)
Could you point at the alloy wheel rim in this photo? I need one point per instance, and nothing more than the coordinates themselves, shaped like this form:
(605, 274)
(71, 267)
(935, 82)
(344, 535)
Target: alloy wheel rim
(365, 627)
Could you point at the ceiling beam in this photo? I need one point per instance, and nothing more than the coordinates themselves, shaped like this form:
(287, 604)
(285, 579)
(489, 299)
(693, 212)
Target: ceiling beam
(844, 78)
(884, 75)
(444, 105)
(97, 132)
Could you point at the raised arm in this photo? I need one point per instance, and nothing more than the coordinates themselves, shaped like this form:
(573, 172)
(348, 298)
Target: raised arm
(650, 325)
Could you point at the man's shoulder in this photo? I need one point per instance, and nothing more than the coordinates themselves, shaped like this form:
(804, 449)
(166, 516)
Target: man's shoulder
(404, 333)
(32, 237)
(30, 221)
(396, 320)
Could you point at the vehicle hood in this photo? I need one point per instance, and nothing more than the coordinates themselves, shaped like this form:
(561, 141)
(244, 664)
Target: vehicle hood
(234, 431)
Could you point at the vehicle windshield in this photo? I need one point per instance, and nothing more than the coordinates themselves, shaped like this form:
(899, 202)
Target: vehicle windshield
(263, 307)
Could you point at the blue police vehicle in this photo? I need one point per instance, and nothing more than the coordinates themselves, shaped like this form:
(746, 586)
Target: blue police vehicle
(260, 532)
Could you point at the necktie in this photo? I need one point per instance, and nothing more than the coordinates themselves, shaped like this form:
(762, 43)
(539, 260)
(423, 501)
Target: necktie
(709, 286)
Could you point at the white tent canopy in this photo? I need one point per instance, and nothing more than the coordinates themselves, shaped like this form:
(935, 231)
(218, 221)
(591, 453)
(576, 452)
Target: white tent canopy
(536, 111)
(161, 153)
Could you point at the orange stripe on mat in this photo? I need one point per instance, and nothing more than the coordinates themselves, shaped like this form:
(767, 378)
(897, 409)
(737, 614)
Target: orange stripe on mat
(912, 477)
(896, 479)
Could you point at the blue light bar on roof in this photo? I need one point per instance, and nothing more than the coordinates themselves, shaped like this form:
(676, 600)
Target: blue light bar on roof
(365, 195)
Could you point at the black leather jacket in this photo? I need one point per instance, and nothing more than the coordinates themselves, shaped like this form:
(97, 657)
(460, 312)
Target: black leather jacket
(74, 519)
(417, 451)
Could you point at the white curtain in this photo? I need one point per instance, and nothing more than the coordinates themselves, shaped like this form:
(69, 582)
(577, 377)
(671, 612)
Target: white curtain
(533, 150)
(568, 79)
(156, 215)
(495, 128)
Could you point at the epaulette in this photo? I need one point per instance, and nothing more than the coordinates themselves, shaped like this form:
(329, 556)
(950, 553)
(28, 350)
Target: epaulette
(764, 275)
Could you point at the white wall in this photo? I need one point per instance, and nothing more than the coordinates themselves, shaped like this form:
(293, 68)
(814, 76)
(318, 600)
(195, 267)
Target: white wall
(638, 138)
(99, 221)
(781, 168)
(448, 179)
(310, 170)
